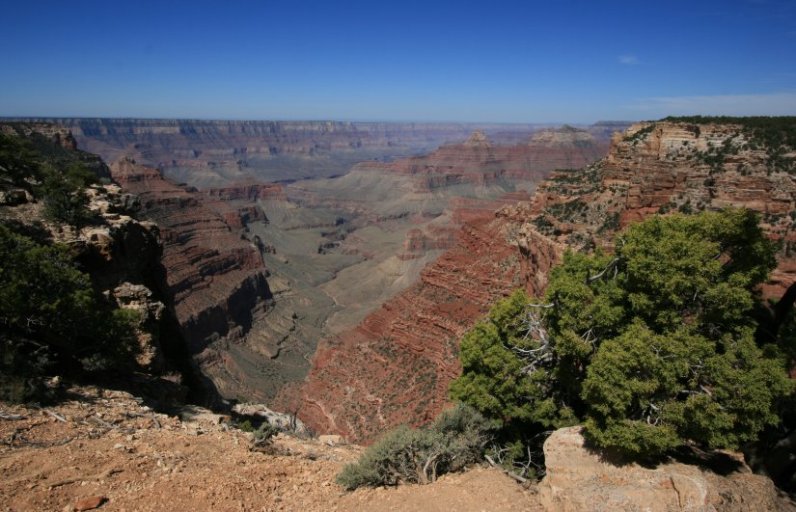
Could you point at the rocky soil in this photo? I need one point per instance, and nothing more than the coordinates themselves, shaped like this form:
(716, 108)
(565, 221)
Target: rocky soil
(106, 449)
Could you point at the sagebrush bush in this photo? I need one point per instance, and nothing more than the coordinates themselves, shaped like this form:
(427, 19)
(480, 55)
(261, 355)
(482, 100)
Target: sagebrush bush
(406, 455)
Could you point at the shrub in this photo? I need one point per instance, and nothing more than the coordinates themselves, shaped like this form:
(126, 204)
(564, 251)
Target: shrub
(651, 348)
(64, 194)
(52, 321)
(406, 455)
(17, 160)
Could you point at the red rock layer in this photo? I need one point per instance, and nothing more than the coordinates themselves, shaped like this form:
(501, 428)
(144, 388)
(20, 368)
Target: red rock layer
(666, 166)
(216, 279)
(247, 192)
(396, 365)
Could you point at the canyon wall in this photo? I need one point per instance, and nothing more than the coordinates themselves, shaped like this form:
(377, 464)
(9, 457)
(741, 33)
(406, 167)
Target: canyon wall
(479, 161)
(208, 153)
(476, 168)
(675, 166)
(213, 153)
(215, 279)
(395, 366)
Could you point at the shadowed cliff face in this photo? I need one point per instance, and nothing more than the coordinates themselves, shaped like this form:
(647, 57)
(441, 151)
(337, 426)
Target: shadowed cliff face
(215, 279)
(395, 366)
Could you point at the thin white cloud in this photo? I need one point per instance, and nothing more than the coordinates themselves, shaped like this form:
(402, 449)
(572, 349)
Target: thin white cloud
(628, 60)
(771, 104)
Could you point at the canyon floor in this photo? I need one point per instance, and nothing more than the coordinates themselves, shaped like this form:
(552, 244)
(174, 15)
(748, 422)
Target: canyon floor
(108, 448)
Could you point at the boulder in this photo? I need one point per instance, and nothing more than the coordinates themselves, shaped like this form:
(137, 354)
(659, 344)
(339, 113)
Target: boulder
(14, 197)
(282, 421)
(580, 479)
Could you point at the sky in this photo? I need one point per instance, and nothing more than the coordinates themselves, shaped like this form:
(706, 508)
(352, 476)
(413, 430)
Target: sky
(575, 61)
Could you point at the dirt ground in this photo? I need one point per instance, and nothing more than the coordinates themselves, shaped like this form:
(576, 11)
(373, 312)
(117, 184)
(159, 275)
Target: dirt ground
(105, 447)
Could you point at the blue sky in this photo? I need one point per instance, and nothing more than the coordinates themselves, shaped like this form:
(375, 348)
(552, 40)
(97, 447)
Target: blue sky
(502, 61)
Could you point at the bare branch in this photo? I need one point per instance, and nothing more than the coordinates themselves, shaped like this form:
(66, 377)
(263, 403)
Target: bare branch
(608, 267)
(55, 415)
(509, 473)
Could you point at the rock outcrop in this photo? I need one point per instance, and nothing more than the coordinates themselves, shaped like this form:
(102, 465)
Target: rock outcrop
(215, 279)
(120, 253)
(581, 480)
(247, 192)
(673, 166)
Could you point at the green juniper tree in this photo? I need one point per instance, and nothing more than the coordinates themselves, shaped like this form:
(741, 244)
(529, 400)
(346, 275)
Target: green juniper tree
(52, 321)
(651, 347)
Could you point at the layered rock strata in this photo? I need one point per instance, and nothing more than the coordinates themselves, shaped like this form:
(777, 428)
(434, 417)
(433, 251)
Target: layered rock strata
(215, 279)
(674, 166)
(395, 366)
(213, 153)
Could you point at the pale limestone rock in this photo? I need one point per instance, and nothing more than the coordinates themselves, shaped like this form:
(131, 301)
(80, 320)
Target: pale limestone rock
(581, 480)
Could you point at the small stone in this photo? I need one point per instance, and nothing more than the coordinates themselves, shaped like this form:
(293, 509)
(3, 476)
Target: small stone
(90, 503)
(331, 439)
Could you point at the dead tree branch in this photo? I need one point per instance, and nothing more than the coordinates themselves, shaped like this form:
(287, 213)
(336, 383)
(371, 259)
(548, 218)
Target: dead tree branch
(99, 476)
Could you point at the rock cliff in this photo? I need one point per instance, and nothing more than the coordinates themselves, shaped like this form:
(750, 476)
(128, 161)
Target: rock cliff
(213, 153)
(478, 161)
(215, 279)
(395, 366)
(675, 166)
(120, 253)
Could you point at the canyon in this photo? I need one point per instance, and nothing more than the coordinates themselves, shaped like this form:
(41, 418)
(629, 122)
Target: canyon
(257, 271)
(389, 264)
(342, 299)
(207, 153)
(395, 366)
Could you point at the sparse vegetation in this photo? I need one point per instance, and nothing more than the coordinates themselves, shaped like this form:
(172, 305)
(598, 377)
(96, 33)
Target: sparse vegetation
(640, 134)
(406, 455)
(776, 134)
(611, 223)
(569, 211)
